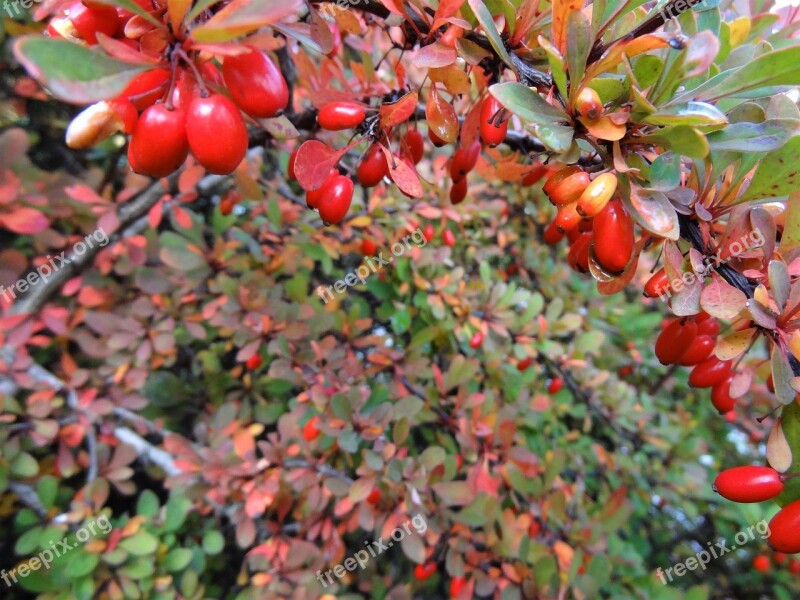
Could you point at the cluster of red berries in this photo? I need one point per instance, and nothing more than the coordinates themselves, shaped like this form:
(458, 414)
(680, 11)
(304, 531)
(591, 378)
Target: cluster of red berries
(749, 484)
(595, 222)
(762, 562)
(689, 342)
(179, 108)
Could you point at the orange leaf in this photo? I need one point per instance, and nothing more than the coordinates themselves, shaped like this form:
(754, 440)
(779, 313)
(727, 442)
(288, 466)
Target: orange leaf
(561, 11)
(395, 113)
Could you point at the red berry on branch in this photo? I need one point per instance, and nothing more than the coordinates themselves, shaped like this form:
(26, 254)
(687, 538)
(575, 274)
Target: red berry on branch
(449, 238)
(424, 571)
(435, 139)
(428, 232)
(578, 257)
(524, 364)
(255, 83)
(337, 116)
(310, 429)
(144, 90)
(464, 160)
(89, 21)
(748, 484)
(217, 133)
(337, 194)
(783, 529)
(779, 558)
(314, 196)
(456, 585)
(699, 351)
(290, 165)
(552, 235)
(492, 114)
(710, 372)
(368, 247)
(373, 167)
(675, 340)
(613, 240)
(555, 385)
(159, 144)
(657, 285)
(794, 566)
(374, 496)
(597, 194)
(761, 563)
(413, 145)
(721, 397)
(567, 218)
(476, 341)
(254, 362)
(707, 324)
(458, 191)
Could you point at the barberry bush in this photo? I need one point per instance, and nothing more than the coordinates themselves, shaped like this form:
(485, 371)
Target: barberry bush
(280, 278)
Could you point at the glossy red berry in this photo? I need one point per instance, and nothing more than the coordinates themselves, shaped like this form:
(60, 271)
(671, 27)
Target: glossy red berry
(464, 160)
(424, 571)
(721, 396)
(492, 115)
(255, 83)
(428, 232)
(254, 362)
(337, 194)
(555, 385)
(731, 416)
(374, 496)
(675, 340)
(710, 372)
(435, 139)
(524, 364)
(748, 484)
(373, 167)
(449, 238)
(456, 585)
(794, 566)
(368, 247)
(413, 145)
(657, 285)
(761, 563)
(783, 529)
(707, 324)
(537, 172)
(578, 257)
(613, 240)
(779, 558)
(570, 188)
(476, 341)
(144, 90)
(89, 21)
(458, 191)
(337, 116)
(227, 203)
(311, 429)
(314, 196)
(217, 133)
(159, 144)
(699, 351)
(552, 235)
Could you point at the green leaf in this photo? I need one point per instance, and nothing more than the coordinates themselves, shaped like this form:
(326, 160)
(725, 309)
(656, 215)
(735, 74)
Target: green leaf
(579, 43)
(777, 175)
(213, 542)
(81, 564)
(682, 140)
(141, 543)
(693, 114)
(665, 172)
(753, 137)
(177, 509)
(556, 62)
(148, 504)
(556, 138)
(527, 104)
(177, 559)
(486, 21)
(177, 253)
(47, 489)
(24, 465)
(72, 72)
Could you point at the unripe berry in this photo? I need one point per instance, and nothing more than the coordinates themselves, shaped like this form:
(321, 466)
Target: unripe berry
(491, 134)
(337, 116)
(159, 144)
(217, 133)
(337, 194)
(255, 83)
(748, 484)
(674, 341)
(613, 237)
(100, 121)
(588, 103)
(595, 197)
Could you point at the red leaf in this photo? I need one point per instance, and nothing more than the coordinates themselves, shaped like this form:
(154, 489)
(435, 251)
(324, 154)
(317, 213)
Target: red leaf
(313, 163)
(155, 214)
(182, 217)
(24, 220)
(399, 112)
(434, 55)
(403, 174)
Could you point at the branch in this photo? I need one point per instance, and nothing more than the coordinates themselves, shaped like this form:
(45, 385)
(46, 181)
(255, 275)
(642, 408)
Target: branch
(157, 456)
(296, 463)
(28, 496)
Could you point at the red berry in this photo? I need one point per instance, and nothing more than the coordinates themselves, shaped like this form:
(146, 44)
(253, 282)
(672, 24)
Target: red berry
(228, 202)
(435, 139)
(341, 115)
(699, 351)
(256, 84)
(524, 364)
(535, 174)
(783, 529)
(159, 144)
(254, 362)
(731, 416)
(422, 572)
(721, 396)
(552, 235)
(578, 257)
(428, 232)
(613, 237)
(144, 90)
(779, 558)
(459, 191)
(217, 133)
(374, 496)
(794, 566)
(761, 563)
(710, 372)
(449, 238)
(368, 247)
(459, 461)
(373, 167)
(290, 165)
(314, 196)
(456, 585)
(674, 341)
(657, 285)
(707, 324)
(310, 429)
(570, 188)
(413, 145)
(476, 341)
(625, 371)
(127, 113)
(464, 160)
(748, 484)
(555, 385)
(491, 134)
(597, 195)
(89, 21)
(337, 194)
